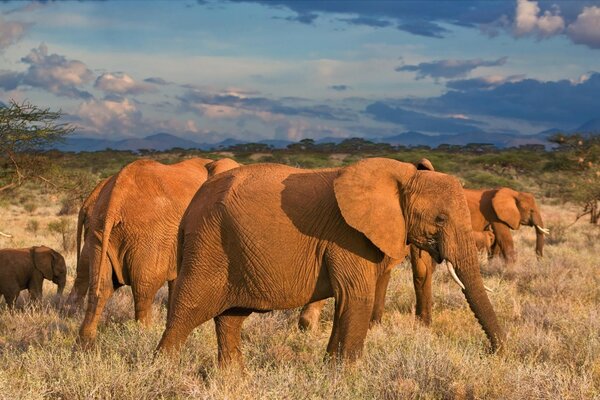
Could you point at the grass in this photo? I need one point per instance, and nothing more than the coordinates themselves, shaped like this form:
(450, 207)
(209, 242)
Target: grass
(549, 308)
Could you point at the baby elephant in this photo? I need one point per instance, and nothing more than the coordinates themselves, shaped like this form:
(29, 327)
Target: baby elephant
(484, 241)
(27, 268)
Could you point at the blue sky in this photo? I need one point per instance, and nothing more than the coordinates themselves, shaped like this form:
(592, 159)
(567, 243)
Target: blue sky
(285, 69)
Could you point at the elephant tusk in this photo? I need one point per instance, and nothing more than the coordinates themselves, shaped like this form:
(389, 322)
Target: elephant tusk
(453, 274)
(488, 289)
(545, 231)
(5, 234)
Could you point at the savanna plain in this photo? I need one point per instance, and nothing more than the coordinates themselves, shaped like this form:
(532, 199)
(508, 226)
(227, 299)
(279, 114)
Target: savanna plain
(549, 308)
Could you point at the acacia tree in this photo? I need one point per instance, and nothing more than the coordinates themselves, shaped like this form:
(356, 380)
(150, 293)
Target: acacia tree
(581, 157)
(24, 130)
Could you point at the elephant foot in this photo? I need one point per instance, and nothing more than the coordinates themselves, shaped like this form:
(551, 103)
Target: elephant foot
(374, 322)
(424, 320)
(85, 343)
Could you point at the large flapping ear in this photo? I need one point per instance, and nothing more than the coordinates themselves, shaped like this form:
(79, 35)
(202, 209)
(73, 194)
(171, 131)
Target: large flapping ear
(369, 196)
(505, 206)
(222, 165)
(43, 260)
(424, 164)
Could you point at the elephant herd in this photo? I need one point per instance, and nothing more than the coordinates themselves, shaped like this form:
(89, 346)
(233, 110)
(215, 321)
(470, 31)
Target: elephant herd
(231, 240)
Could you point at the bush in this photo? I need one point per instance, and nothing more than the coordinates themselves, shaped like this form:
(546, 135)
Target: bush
(30, 207)
(33, 225)
(65, 229)
(69, 206)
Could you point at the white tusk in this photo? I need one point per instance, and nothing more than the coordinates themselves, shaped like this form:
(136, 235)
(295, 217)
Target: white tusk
(488, 289)
(543, 230)
(453, 274)
(5, 234)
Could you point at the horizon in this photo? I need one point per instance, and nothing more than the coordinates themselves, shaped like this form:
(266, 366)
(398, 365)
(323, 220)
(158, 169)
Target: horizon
(259, 70)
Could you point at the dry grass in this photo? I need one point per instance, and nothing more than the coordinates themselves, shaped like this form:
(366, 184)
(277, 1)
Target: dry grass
(549, 307)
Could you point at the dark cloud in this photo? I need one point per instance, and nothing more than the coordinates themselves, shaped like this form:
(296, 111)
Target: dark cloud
(482, 82)
(51, 72)
(418, 121)
(157, 81)
(562, 103)
(339, 88)
(449, 68)
(194, 100)
(423, 28)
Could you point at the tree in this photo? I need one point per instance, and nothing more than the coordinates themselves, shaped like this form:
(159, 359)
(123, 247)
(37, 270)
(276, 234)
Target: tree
(581, 159)
(24, 130)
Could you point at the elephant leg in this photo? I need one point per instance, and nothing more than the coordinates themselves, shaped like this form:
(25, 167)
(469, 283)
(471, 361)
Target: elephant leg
(35, 287)
(80, 286)
(350, 326)
(504, 242)
(11, 299)
(309, 316)
(143, 297)
(228, 327)
(171, 285)
(422, 267)
(95, 306)
(380, 291)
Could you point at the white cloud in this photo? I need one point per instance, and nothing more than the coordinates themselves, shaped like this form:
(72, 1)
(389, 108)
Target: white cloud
(107, 117)
(586, 28)
(11, 32)
(121, 83)
(56, 73)
(529, 21)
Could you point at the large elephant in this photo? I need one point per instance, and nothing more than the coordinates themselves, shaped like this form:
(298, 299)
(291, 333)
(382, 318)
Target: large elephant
(132, 234)
(27, 268)
(505, 209)
(267, 236)
(82, 276)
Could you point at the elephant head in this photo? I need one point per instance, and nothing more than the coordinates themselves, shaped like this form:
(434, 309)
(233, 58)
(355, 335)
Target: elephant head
(51, 265)
(519, 208)
(394, 204)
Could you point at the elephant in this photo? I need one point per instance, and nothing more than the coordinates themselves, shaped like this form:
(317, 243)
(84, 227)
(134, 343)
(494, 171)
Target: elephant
(484, 241)
(80, 286)
(266, 236)
(132, 234)
(505, 209)
(27, 268)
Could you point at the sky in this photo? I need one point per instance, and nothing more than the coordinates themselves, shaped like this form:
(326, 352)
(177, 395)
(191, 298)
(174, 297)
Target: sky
(209, 70)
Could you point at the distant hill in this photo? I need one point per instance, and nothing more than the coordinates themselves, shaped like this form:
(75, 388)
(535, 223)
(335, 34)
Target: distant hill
(591, 126)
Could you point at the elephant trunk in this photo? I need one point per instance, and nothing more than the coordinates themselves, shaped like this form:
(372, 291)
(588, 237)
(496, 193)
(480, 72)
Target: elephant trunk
(466, 265)
(61, 285)
(539, 234)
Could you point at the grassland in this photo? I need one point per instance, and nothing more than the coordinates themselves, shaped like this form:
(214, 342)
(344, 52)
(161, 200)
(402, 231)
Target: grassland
(549, 308)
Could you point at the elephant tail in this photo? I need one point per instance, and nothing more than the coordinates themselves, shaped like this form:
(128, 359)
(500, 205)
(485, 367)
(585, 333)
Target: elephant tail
(80, 221)
(109, 223)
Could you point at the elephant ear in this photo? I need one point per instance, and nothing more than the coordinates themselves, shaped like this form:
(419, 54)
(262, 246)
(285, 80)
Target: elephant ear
(424, 165)
(505, 206)
(43, 260)
(222, 165)
(369, 195)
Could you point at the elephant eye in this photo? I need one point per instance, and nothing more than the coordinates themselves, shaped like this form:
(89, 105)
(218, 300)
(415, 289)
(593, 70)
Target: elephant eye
(441, 219)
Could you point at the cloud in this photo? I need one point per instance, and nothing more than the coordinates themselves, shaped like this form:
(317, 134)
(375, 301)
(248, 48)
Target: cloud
(53, 73)
(484, 83)
(10, 80)
(157, 81)
(562, 103)
(109, 117)
(11, 32)
(450, 68)
(586, 29)
(339, 88)
(121, 83)
(413, 120)
(529, 21)
(402, 13)
(234, 104)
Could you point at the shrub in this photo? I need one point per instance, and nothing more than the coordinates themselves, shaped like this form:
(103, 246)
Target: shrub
(33, 225)
(65, 229)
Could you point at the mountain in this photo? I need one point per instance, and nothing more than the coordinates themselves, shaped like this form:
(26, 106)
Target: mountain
(591, 126)
(499, 140)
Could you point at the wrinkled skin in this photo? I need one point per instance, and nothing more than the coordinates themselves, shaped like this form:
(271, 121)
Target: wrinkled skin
(27, 268)
(132, 234)
(265, 237)
(82, 277)
(505, 209)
